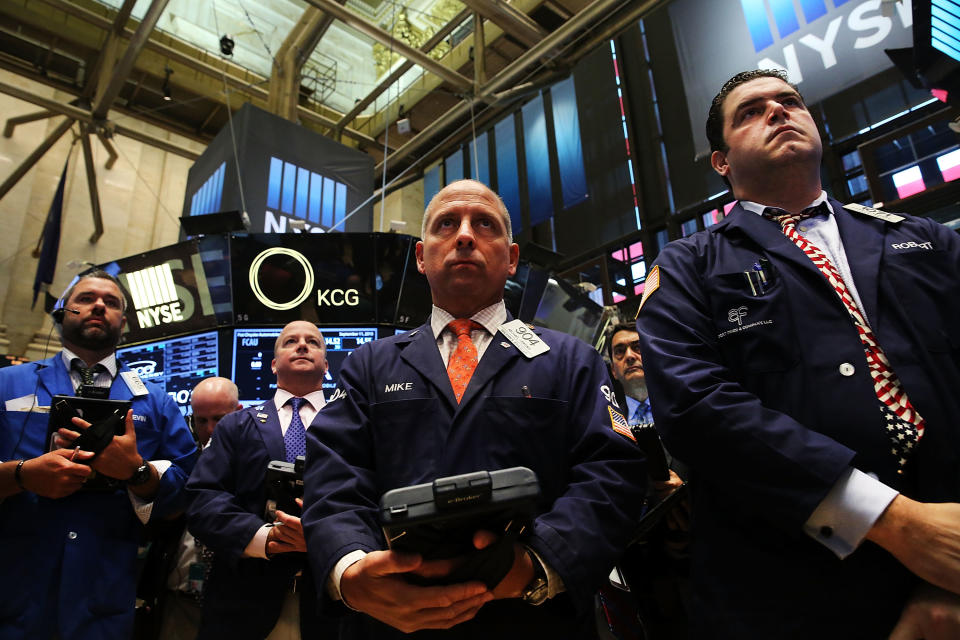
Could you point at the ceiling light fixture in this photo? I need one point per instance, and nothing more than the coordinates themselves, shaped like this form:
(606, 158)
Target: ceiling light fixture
(166, 84)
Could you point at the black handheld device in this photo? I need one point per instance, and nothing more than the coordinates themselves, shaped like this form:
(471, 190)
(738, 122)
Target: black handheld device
(107, 419)
(283, 484)
(438, 519)
(649, 442)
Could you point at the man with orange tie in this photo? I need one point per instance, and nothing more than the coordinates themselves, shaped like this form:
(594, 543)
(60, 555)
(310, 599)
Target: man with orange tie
(259, 585)
(470, 390)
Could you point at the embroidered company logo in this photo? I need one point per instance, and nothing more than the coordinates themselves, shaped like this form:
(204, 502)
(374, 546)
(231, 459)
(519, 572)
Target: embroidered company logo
(850, 28)
(154, 296)
(207, 198)
(296, 192)
(737, 314)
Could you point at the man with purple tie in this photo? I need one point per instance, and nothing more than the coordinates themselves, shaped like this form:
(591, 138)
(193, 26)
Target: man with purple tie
(259, 568)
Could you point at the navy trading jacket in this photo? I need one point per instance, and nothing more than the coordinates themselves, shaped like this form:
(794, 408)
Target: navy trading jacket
(244, 596)
(393, 422)
(768, 398)
(70, 563)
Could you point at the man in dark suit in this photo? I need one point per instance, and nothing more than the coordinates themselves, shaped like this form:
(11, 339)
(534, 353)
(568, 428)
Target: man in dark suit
(259, 577)
(804, 362)
(471, 390)
(69, 552)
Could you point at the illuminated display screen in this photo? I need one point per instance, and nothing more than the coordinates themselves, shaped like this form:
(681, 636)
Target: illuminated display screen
(253, 353)
(176, 364)
(945, 27)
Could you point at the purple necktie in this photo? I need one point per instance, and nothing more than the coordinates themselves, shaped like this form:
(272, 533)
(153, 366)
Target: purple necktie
(295, 439)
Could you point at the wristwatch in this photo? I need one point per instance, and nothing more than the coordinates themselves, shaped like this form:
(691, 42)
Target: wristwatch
(536, 590)
(140, 476)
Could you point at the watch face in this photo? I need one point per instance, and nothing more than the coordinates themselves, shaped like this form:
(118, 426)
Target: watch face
(141, 475)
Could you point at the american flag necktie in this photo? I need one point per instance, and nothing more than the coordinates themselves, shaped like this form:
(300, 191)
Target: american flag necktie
(903, 424)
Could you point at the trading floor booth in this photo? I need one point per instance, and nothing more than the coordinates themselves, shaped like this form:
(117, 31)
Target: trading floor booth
(214, 305)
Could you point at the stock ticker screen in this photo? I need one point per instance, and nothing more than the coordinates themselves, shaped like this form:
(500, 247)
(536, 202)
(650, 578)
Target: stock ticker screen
(176, 364)
(253, 353)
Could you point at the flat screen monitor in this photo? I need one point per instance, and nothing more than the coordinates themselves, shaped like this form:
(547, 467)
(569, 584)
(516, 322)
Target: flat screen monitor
(176, 364)
(253, 353)
(566, 309)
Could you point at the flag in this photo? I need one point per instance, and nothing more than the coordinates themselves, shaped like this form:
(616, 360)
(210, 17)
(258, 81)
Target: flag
(50, 241)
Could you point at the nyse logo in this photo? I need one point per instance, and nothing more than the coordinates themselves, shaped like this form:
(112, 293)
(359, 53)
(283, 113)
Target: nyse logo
(325, 297)
(208, 197)
(295, 193)
(154, 296)
(861, 27)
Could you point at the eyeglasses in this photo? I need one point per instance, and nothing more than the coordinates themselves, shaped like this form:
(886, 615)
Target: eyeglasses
(620, 350)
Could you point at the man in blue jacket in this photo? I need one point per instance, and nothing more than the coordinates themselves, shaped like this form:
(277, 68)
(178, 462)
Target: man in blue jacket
(69, 554)
(471, 390)
(259, 584)
(805, 362)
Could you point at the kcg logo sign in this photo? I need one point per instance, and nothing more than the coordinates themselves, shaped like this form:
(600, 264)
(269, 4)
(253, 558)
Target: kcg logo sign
(295, 261)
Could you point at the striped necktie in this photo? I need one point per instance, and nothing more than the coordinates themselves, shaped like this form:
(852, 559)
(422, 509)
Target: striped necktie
(903, 424)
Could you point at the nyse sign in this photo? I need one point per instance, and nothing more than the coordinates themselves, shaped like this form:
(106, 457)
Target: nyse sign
(167, 291)
(824, 45)
(864, 27)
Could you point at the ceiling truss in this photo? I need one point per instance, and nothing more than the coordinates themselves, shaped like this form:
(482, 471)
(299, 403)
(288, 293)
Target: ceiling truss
(120, 63)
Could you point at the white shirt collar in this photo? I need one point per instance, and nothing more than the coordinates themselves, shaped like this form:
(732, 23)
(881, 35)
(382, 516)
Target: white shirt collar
(758, 208)
(109, 363)
(490, 318)
(315, 398)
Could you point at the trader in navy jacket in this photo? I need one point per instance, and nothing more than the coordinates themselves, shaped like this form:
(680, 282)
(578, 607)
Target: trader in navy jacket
(542, 402)
(807, 523)
(68, 555)
(259, 582)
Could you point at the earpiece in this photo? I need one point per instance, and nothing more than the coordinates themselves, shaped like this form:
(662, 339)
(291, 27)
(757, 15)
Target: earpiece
(57, 314)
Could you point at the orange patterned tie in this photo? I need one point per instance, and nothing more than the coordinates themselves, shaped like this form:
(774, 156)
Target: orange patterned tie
(463, 360)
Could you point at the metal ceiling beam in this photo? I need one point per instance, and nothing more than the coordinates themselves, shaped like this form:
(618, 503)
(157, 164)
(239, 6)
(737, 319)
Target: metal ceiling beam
(223, 74)
(510, 19)
(82, 115)
(32, 159)
(387, 82)
(592, 13)
(479, 52)
(106, 95)
(13, 123)
(85, 131)
(348, 17)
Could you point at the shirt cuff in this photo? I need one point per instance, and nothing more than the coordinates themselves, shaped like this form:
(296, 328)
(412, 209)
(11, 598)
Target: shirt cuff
(555, 584)
(143, 508)
(843, 519)
(333, 582)
(257, 547)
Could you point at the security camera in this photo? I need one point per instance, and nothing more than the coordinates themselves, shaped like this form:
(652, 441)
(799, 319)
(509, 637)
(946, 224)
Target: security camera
(226, 45)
